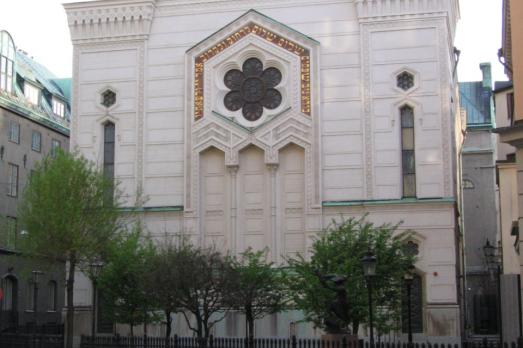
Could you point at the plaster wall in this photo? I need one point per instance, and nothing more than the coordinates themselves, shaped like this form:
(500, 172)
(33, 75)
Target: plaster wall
(502, 120)
(516, 30)
(266, 187)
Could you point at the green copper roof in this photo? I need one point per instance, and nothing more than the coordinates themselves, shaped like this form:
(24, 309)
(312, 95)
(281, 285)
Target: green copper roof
(27, 70)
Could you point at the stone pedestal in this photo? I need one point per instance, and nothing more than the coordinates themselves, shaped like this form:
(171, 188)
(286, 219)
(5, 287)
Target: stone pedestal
(340, 340)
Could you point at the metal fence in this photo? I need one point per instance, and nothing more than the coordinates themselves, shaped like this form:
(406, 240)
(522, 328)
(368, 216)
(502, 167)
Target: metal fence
(19, 340)
(293, 342)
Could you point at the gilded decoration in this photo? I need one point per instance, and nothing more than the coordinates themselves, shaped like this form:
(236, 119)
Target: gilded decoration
(265, 34)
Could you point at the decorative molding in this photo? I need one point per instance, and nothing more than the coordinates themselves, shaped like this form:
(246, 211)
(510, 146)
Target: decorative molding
(388, 8)
(114, 21)
(230, 40)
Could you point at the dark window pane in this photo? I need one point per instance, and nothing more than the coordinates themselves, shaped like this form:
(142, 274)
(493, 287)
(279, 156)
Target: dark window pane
(416, 306)
(409, 165)
(407, 138)
(409, 185)
(407, 117)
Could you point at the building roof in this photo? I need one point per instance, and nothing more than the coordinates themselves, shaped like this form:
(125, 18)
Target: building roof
(501, 86)
(476, 100)
(27, 70)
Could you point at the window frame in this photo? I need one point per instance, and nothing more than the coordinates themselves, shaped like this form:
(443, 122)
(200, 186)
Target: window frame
(408, 153)
(58, 107)
(12, 232)
(14, 136)
(7, 58)
(29, 90)
(39, 149)
(55, 144)
(12, 180)
(52, 296)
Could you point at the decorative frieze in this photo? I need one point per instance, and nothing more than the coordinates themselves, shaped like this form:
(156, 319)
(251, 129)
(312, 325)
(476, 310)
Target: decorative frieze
(116, 21)
(268, 35)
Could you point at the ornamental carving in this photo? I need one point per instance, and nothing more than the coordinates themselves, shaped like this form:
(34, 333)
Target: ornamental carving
(259, 85)
(252, 89)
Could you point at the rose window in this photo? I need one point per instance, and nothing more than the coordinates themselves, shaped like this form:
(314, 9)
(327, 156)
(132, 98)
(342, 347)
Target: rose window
(252, 89)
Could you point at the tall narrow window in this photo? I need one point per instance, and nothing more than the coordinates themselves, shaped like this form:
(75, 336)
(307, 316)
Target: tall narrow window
(11, 232)
(36, 141)
(55, 145)
(51, 299)
(31, 291)
(14, 132)
(10, 291)
(12, 180)
(416, 306)
(407, 151)
(58, 108)
(7, 57)
(32, 93)
(109, 130)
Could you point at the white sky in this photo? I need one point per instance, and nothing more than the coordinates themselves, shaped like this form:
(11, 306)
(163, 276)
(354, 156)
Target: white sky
(40, 28)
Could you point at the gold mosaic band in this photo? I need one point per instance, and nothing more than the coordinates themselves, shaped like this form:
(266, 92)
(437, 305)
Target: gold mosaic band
(265, 34)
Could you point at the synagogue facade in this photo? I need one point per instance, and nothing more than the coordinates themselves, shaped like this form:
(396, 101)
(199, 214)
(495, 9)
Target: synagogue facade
(255, 123)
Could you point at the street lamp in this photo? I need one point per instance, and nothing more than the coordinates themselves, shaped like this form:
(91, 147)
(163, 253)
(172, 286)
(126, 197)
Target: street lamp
(36, 279)
(494, 264)
(95, 268)
(409, 278)
(368, 261)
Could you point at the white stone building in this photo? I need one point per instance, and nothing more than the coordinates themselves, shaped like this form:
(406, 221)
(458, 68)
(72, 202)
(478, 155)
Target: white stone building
(255, 122)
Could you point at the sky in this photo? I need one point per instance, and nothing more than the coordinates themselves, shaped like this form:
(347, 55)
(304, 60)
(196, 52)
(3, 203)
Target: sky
(40, 28)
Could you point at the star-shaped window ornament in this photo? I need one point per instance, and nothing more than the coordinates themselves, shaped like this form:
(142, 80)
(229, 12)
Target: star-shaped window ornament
(252, 89)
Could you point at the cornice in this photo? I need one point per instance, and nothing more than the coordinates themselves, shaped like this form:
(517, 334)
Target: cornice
(112, 20)
(31, 112)
(391, 9)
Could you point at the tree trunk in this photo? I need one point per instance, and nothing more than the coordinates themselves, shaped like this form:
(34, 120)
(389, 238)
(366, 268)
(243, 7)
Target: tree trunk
(169, 321)
(250, 324)
(132, 330)
(70, 302)
(355, 327)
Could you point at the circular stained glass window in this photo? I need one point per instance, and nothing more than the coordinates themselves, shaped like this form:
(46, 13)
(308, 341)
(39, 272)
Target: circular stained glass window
(252, 89)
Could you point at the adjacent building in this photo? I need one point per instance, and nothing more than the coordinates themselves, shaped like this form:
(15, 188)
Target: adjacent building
(34, 122)
(255, 127)
(511, 133)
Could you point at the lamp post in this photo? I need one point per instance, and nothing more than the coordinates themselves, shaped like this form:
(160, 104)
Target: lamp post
(95, 269)
(368, 261)
(492, 258)
(36, 279)
(409, 278)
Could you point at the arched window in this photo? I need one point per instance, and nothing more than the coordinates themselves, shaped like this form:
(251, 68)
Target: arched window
(10, 290)
(7, 58)
(407, 151)
(416, 306)
(51, 296)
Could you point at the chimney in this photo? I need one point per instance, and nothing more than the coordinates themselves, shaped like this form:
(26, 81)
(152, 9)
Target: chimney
(486, 70)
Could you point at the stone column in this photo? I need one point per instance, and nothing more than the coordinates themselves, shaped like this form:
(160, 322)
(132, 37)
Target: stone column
(233, 171)
(276, 247)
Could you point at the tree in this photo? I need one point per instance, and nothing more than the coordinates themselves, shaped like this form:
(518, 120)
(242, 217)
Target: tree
(204, 287)
(162, 280)
(123, 280)
(68, 216)
(335, 271)
(258, 287)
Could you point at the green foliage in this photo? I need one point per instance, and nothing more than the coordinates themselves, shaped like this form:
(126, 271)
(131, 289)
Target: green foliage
(259, 288)
(70, 211)
(338, 250)
(66, 211)
(123, 280)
